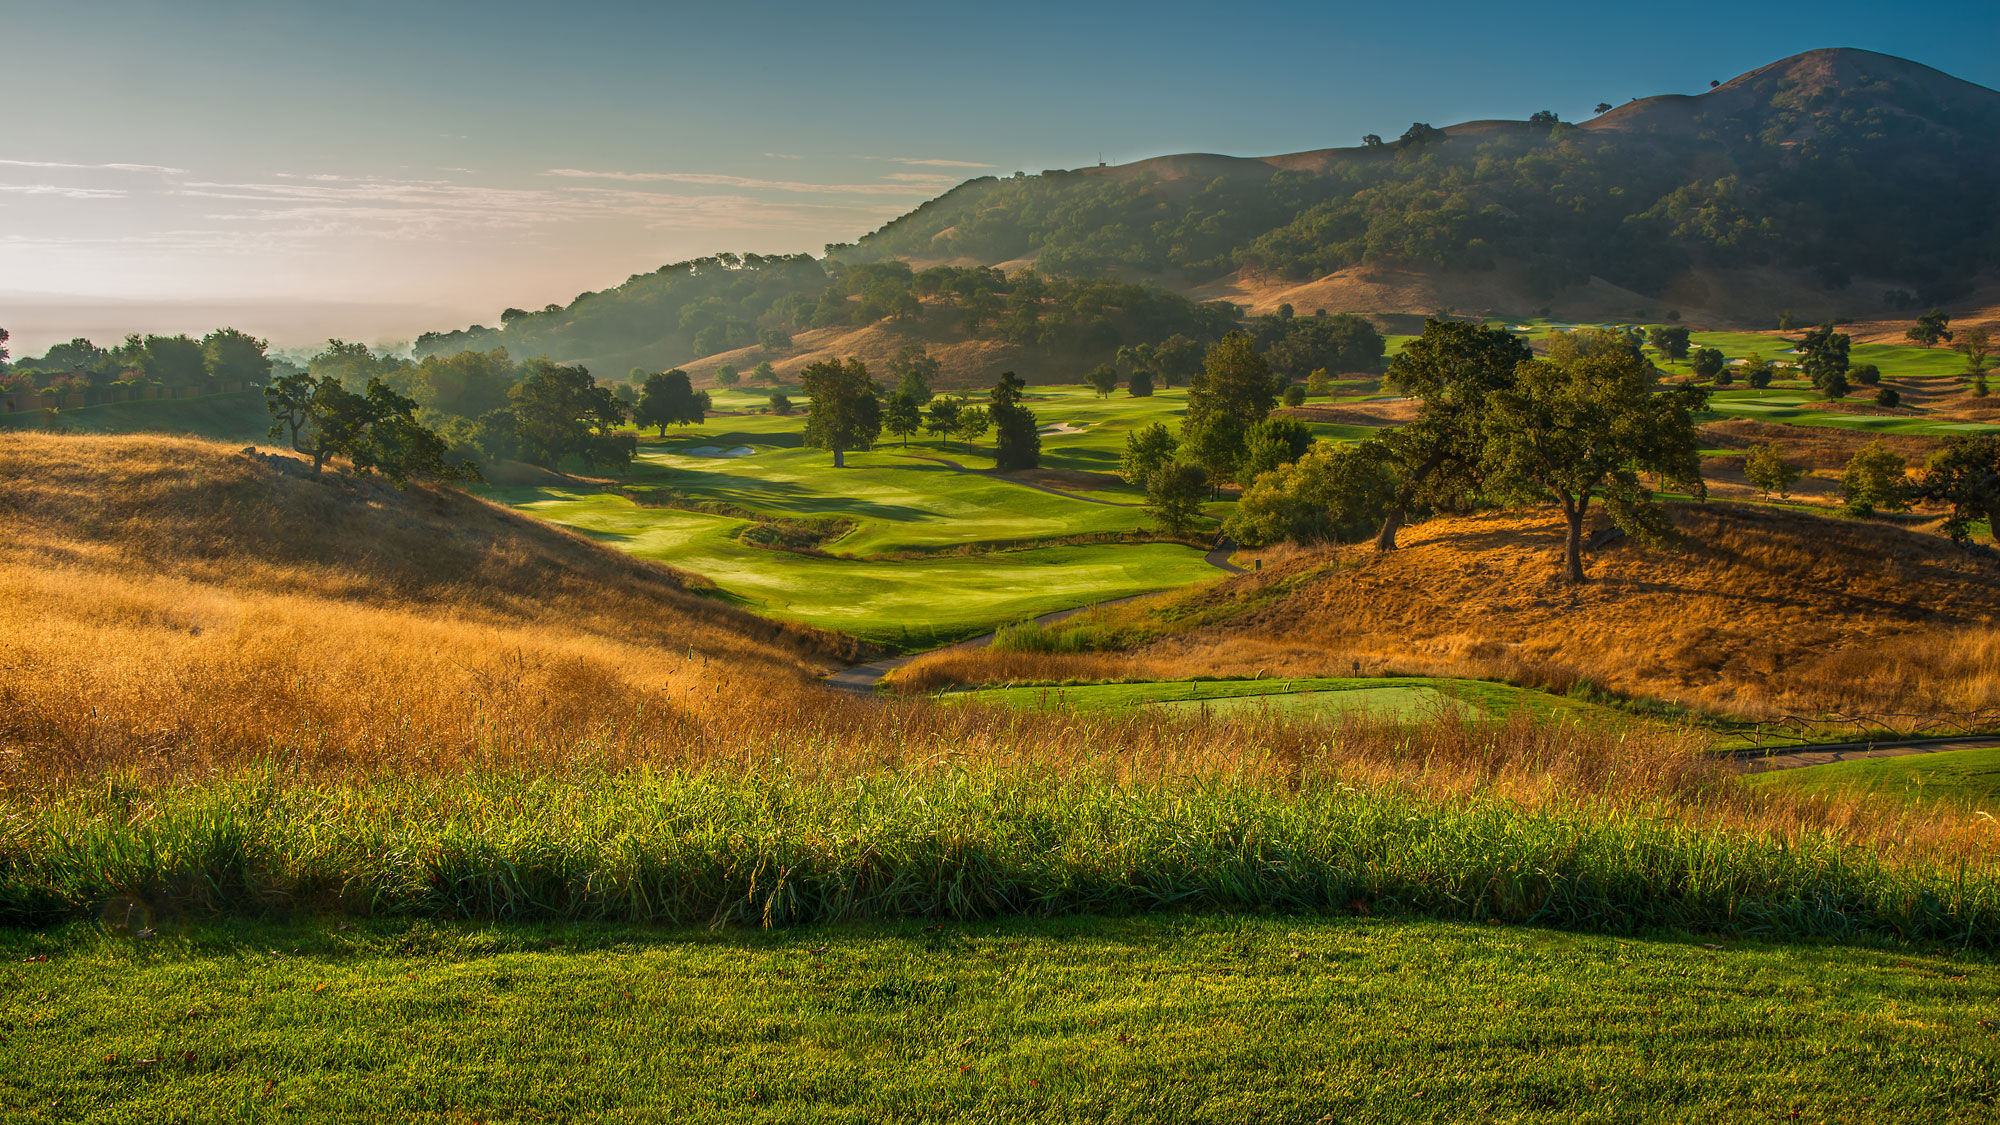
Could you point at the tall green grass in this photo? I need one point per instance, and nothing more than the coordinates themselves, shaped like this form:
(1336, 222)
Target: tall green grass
(773, 849)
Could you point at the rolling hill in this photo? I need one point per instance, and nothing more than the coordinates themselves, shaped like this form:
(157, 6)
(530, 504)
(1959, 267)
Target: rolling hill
(1818, 183)
(1762, 614)
(183, 601)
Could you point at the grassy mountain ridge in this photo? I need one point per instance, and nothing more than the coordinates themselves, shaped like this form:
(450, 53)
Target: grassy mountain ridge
(1837, 164)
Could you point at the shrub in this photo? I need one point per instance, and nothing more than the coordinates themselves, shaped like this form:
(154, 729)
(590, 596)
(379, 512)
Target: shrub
(1867, 374)
(1295, 395)
(1874, 481)
(1888, 396)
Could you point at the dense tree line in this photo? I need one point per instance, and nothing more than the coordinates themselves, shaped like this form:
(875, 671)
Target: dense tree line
(223, 358)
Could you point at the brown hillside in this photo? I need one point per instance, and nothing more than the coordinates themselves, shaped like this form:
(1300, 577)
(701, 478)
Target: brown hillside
(174, 597)
(1764, 614)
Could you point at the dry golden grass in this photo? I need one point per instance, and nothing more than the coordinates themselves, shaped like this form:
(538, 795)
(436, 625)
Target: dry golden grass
(1765, 614)
(175, 617)
(175, 599)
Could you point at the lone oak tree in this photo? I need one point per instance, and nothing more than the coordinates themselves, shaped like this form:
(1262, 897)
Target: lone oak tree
(844, 412)
(1586, 430)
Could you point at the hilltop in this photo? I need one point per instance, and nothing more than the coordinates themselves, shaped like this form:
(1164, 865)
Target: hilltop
(1762, 613)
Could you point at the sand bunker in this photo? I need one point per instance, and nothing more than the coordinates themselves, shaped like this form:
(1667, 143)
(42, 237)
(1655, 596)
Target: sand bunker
(718, 451)
(1061, 428)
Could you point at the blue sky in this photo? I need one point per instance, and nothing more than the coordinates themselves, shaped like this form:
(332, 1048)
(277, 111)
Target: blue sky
(372, 169)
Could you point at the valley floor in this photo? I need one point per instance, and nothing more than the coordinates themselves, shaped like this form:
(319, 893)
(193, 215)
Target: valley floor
(1181, 1019)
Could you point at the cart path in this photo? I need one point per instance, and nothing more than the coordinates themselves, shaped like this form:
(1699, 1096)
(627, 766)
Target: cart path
(1826, 753)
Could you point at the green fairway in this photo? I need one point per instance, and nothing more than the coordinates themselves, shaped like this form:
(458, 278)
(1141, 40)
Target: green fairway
(1088, 1019)
(1966, 779)
(931, 499)
(1397, 698)
(902, 603)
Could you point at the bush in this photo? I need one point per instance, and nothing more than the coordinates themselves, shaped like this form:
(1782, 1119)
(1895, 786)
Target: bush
(1867, 374)
(1295, 395)
(1887, 396)
(1874, 481)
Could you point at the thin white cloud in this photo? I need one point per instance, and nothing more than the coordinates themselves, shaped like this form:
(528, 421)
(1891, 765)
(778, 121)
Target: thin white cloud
(939, 163)
(160, 168)
(922, 177)
(784, 156)
(715, 179)
(60, 190)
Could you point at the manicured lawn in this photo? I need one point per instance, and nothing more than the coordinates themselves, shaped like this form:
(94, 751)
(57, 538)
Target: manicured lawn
(1967, 779)
(1393, 697)
(1081, 1019)
(903, 603)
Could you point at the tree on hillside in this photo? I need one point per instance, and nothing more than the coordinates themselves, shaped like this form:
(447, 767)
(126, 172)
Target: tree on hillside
(916, 371)
(1420, 133)
(1823, 359)
(1670, 340)
(1147, 449)
(1371, 140)
(377, 431)
(1103, 379)
(902, 416)
(1930, 328)
(1334, 493)
(669, 399)
(236, 357)
(727, 375)
(1708, 363)
(1966, 475)
(1765, 466)
(1235, 381)
(941, 419)
(562, 412)
(1601, 108)
(1173, 497)
(1450, 370)
(1875, 480)
(843, 411)
(1587, 430)
(1140, 384)
(773, 340)
(764, 372)
(1544, 118)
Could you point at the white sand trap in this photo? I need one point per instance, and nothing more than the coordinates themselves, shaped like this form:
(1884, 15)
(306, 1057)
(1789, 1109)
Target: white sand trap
(718, 451)
(1061, 428)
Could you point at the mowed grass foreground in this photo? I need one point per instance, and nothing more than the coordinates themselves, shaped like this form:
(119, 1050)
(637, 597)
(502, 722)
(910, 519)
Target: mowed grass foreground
(1160, 1019)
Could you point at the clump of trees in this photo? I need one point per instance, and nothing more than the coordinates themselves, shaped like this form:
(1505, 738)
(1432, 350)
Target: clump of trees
(377, 431)
(1765, 466)
(1876, 480)
(1965, 476)
(1591, 425)
(178, 364)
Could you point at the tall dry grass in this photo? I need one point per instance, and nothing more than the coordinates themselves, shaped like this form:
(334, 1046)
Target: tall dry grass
(240, 725)
(1762, 615)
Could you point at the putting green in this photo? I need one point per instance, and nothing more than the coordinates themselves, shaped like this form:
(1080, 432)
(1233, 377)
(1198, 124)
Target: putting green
(1393, 704)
